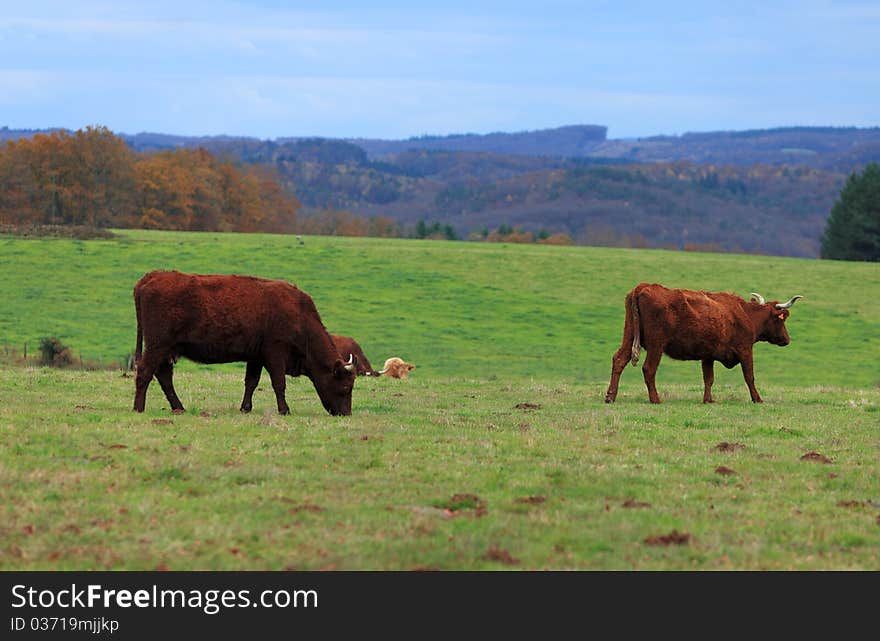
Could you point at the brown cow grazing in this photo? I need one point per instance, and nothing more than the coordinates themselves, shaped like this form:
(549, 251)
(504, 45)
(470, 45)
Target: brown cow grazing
(348, 345)
(696, 325)
(396, 368)
(223, 319)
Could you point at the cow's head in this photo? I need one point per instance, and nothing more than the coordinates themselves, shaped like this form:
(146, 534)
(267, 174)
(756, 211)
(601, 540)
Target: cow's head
(773, 328)
(334, 386)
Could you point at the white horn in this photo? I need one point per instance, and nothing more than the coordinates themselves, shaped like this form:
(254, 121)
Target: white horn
(349, 366)
(788, 303)
(758, 298)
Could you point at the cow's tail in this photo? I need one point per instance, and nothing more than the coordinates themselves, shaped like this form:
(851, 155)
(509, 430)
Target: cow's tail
(636, 330)
(139, 345)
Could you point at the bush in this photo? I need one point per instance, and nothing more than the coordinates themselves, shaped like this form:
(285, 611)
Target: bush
(54, 353)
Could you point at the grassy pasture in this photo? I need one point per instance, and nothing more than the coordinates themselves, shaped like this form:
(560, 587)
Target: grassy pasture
(442, 470)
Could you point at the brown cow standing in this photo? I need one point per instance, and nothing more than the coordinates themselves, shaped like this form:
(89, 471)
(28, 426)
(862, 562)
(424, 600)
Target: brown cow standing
(348, 345)
(228, 318)
(696, 325)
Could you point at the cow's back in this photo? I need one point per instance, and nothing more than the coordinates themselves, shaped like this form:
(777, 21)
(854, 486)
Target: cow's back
(215, 318)
(691, 325)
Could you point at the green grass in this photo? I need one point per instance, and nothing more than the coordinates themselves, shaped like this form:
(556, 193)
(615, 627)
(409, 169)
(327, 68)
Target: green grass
(438, 470)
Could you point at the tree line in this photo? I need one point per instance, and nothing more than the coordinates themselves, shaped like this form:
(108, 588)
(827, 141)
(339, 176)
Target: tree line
(92, 177)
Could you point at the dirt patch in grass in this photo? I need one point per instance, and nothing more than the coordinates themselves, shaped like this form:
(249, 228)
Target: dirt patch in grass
(528, 406)
(724, 446)
(850, 504)
(724, 471)
(305, 507)
(501, 555)
(162, 421)
(816, 457)
(463, 503)
(530, 500)
(673, 538)
(633, 504)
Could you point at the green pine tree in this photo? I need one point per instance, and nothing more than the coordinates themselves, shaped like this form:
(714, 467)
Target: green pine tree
(853, 228)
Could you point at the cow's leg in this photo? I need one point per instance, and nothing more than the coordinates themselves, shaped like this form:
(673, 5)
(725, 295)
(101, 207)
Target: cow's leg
(165, 374)
(251, 380)
(749, 375)
(649, 369)
(618, 364)
(708, 379)
(277, 371)
(146, 367)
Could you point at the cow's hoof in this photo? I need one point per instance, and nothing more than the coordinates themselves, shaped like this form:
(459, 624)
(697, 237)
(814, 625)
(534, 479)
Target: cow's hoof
(245, 410)
(178, 410)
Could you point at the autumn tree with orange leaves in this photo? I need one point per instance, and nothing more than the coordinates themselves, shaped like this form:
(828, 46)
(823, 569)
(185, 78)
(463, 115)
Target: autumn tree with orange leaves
(91, 177)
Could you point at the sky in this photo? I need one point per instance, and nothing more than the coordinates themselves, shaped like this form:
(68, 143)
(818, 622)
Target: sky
(396, 69)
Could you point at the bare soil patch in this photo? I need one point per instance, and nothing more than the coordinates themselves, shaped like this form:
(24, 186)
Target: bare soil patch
(528, 406)
(673, 538)
(724, 471)
(633, 504)
(306, 507)
(501, 555)
(816, 457)
(530, 500)
(462, 503)
(724, 446)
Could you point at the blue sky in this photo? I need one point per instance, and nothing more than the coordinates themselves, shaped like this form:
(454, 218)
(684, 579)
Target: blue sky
(386, 69)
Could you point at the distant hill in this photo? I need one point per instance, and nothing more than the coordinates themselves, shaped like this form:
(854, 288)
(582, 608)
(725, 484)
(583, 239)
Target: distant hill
(767, 191)
(567, 142)
(832, 148)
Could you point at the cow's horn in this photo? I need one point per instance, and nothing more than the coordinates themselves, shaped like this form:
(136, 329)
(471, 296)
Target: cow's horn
(350, 364)
(788, 303)
(758, 298)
